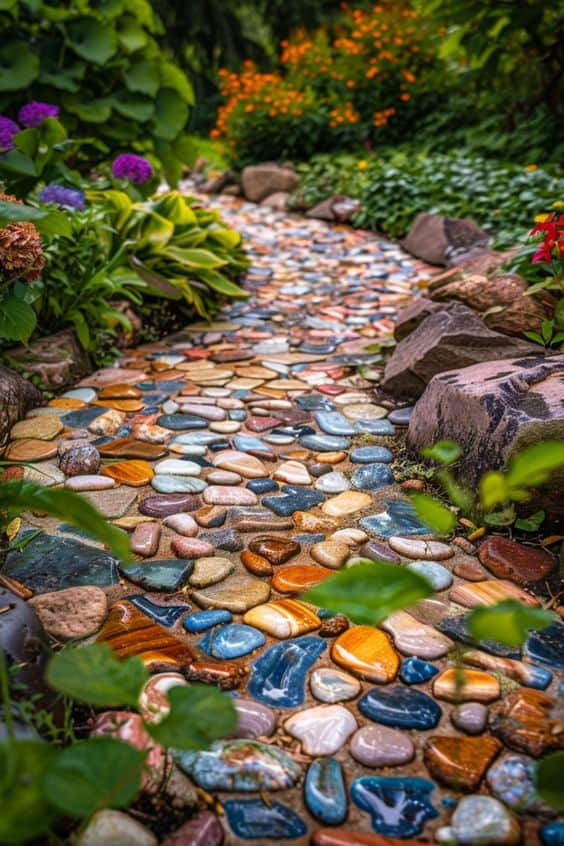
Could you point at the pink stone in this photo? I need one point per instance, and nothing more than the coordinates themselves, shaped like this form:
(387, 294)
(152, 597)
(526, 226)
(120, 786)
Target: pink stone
(219, 495)
(145, 539)
(191, 548)
(184, 524)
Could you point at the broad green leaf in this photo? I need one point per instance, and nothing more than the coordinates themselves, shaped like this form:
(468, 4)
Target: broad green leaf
(14, 161)
(548, 779)
(559, 312)
(198, 715)
(221, 284)
(26, 811)
(532, 523)
(156, 283)
(173, 77)
(134, 106)
(171, 114)
(445, 452)
(370, 591)
(196, 258)
(19, 66)
(507, 622)
(131, 34)
(493, 490)
(101, 772)
(91, 39)
(433, 513)
(533, 466)
(228, 238)
(94, 675)
(174, 207)
(95, 111)
(17, 319)
(155, 232)
(142, 76)
(68, 506)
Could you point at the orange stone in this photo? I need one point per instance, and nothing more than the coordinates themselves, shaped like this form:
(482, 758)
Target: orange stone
(66, 402)
(524, 721)
(130, 632)
(121, 405)
(342, 837)
(298, 577)
(330, 457)
(256, 564)
(460, 762)
(120, 392)
(132, 448)
(489, 593)
(31, 449)
(132, 473)
(366, 652)
(283, 618)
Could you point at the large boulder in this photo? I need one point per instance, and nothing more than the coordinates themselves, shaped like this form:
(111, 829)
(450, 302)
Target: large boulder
(411, 316)
(338, 207)
(262, 180)
(58, 360)
(17, 397)
(451, 338)
(492, 410)
(442, 240)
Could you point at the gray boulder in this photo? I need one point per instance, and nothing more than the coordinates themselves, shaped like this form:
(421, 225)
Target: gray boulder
(442, 240)
(262, 180)
(451, 338)
(58, 360)
(17, 397)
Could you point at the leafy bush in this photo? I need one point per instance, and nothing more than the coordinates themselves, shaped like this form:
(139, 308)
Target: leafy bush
(102, 65)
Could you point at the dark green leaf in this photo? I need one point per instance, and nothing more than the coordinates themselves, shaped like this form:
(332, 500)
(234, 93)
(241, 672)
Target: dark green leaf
(445, 452)
(171, 114)
(508, 622)
(91, 39)
(94, 675)
(17, 319)
(19, 66)
(26, 810)
(433, 513)
(142, 76)
(370, 591)
(199, 714)
(532, 523)
(548, 779)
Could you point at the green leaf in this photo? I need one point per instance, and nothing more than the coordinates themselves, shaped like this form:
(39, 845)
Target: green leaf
(508, 622)
(94, 675)
(26, 810)
(445, 452)
(547, 329)
(534, 336)
(157, 284)
(370, 591)
(433, 513)
(198, 715)
(133, 106)
(19, 66)
(228, 238)
(493, 489)
(174, 78)
(101, 772)
(548, 779)
(532, 523)
(533, 466)
(142, 76)
(131, 34)
(221, 284)
(559, 312)
(68, 506)
(91, 39)
(14, 161)
(171, 114)
(95, 111)
(17, 319)
(196, 258)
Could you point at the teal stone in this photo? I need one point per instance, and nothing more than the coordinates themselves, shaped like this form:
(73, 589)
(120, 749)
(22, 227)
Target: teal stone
(552, 834)
(245, 766)
(53, 562)
(177, 484)
(232, 641)
(325, 791)
(199, 621)
(371, 455)
(398, 807)
(374, 427)
(165, 575)
(182, 421)
(324, 443)
(253, 820)
(166, 615)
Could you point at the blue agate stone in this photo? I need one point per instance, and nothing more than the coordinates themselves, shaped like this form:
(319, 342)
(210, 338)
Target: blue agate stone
(83, 417)
(166, 575)
(370, 455)
(372, 477)
(399, 518)
(232, 641)
(202, 620)
(547, 646)
(253, 820)
(552, 834)
(278, 676)
(325, 792)
(261, 486)
(457, 629)
(324, 443)
(416, 671)
(241, 765)
(400, 707)
(166, 615)
(398, 807)
(293, 498)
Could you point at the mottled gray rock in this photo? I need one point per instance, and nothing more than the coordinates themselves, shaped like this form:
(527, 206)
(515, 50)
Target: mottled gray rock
(262, 180)
(442, 240)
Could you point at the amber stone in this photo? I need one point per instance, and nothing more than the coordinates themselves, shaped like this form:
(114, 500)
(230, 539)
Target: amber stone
(276, 550)
(256, 564)
(517, 562)
(69, 403)
(120, 392)
(458, 685)
(31, 449)
(283, 618)
(226, 674)
(130, 632)
(132, 473)
(42, 428)
(366, 652)
(121, 405)
(489, 593)
(298, 577)
(304, 521)
(132, 448)
(210, 516)
(460, 762)
(523, 720)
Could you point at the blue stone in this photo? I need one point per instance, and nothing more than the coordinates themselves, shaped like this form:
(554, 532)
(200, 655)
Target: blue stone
(374, 427)
(241, 765)
(371, 454)
(166, 615)
(547, 646)
(83, 417)
(217, 446)
(238, 414)
(165, 575)
(401, 416)
(232, 641)
(253, 820)
(294, 498)
(314, 402)
(155, 399)
(308, 539)
(325, 443)
(53, 562)
(511, 780)
(325, 792)
(202, 620)
(398, 807)
(400, 707)
(372, 477)
(170, 387)
(399, 518)
(278, 676)
(552, 834)
(415, 671)
(334, 423)
(262, 486)
(457, 628)
(247, 443)
(182, 421)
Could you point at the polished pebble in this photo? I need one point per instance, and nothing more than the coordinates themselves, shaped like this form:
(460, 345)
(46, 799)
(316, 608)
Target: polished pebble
(380, 746)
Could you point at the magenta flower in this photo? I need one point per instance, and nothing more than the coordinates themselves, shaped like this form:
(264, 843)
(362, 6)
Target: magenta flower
(132, 167)
(8, 128)
(33, 114)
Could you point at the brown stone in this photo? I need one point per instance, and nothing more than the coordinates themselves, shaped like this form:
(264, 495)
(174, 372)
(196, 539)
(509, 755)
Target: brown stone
(334, 626)
(136, 474)
(17, 397)
(73, 612)
(31, 449)
(132, 448)
(262, 180)
(296, 578)
(442, 240)
(523, 721)
(42, 428)
(508, 559)
(343, 837)
(226, 674)
(274, 549)
(460, 762)
(256, 564)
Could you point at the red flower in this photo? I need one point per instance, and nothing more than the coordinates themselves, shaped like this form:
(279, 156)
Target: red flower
(553, 243)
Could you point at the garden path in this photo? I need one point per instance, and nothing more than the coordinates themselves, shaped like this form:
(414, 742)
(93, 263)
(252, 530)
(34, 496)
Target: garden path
(271, 463)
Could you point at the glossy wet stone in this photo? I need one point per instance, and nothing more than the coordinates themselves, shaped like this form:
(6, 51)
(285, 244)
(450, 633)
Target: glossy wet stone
(547, 646)
(376, 551)
(460, 762)
(253, 820)
(470, 717)
(325, 792)
(552, 834)
(400, 707)
(325, 443)
(334, 423)
(370, 455)
(202, 830)
(278, 676)
(412, 637)
(517, 562)
(330, 685)
(489, 592)
(253, 719)
(248, 466)
(89, 483)
(166, 615)
(372, 477)
(346, 503)
(232, 641)
(459, 685)
(184, 524)
(292, 499)
(179, 422)
(331, 554)
(482, 819)
(177, 484)
(524, 721)
(321, 730)
(456, 627)
(398, 807)
(416, 671)
(145, 539)
(398, 517)
(276, 550)
(331, 482)
(283, 618)
(512, 781)
(235, 595)
(241, 765)
(199, 621)
(527, 674)
(166, 575)
(366, 652)
(380, 746)
(424, 550)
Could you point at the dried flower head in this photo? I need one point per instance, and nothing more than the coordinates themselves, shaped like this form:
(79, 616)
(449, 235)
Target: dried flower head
(21, 253)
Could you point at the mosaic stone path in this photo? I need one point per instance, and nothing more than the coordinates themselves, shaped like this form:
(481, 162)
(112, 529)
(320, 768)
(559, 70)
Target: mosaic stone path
(249, 460)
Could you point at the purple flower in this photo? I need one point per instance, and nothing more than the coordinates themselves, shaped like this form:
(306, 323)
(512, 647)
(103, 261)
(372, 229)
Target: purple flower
(33, 114)
(7, 131)
(70, 198)
(132, 167)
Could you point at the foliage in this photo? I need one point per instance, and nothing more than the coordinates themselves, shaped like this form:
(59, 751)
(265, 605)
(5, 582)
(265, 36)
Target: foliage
(394, 186)
(508, 622)
(548, 780)
(96, 676)
(102, 64)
